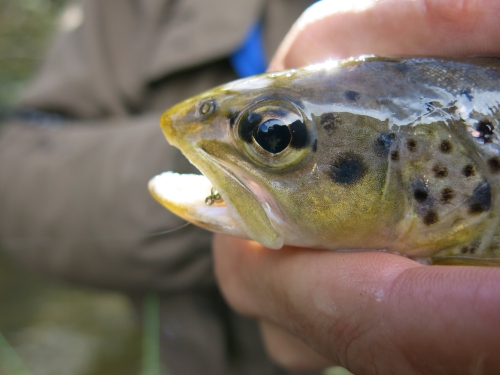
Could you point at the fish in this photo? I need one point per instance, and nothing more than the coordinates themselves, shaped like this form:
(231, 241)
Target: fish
(398, 154)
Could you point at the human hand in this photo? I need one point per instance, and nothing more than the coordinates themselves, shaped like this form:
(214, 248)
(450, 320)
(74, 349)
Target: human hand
(372, 312)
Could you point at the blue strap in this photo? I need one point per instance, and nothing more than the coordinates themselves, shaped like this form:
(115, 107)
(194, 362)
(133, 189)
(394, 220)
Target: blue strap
(250, 58)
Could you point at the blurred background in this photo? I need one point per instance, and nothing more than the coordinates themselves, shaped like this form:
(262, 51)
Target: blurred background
(48, 327)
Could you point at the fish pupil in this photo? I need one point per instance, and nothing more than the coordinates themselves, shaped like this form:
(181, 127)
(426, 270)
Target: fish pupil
(273, 135)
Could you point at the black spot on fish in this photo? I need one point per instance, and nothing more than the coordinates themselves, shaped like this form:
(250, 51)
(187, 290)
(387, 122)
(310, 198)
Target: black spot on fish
(431, 217)
(467, 93)
(315, 145)
(476, 209)
(299, 134)
(383, 144)
(395, 155)
(440, 171)
(468, 249)
(446, 147)
(494, 164)
(401, 67)
(469, 170)
(348, 169)
(480, 200)
(352, 95)
(411, 145)
(485, 129)
(247, 126)
(420, 194)
(447, 195)
(329, 121)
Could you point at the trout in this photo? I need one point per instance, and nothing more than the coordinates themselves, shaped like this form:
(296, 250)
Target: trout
(385, 153)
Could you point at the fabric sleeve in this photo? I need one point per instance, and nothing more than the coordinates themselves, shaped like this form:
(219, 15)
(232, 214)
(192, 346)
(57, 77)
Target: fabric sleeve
(75, 205)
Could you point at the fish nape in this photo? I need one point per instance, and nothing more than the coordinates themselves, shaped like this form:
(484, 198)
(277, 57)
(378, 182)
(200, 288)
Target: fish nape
(395, 154)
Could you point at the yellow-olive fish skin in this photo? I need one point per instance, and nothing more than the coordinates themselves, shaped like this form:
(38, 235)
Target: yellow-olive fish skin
(400, 154)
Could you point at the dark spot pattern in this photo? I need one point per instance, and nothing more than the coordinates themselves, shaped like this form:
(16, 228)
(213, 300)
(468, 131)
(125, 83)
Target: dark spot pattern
(447, 195)
(420, 194)
(383, 144)
(480, 200)
(395, 155)
(476, 209)
(315, 145)
(468, 249)
(446, 146)
(348, 169)
(352, 95)
(469, 170)
(494, 164)
(485, 129)
(401, 67)
(431, 217)
(329, 121)
(440, 171)
(411, 145)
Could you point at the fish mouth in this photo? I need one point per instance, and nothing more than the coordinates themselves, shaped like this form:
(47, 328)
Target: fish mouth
(239, 212)
(186, 195)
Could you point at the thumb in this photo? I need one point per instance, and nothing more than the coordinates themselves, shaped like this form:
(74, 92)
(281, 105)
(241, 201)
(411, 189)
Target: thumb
(337, 30)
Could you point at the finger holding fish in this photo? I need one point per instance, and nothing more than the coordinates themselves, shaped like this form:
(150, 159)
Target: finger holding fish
(341, 29)
(371, 312)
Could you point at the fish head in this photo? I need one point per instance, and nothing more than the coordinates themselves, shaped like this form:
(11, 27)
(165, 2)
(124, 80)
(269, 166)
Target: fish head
(290, 170)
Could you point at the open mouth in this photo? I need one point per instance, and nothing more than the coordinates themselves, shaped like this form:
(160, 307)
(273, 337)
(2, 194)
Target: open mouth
(191, 197)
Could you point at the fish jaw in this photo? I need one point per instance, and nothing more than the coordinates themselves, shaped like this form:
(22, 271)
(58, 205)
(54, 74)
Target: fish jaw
(241, 214)
(185, 195)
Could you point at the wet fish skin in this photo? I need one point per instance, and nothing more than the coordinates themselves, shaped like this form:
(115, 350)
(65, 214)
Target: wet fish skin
(400, 154)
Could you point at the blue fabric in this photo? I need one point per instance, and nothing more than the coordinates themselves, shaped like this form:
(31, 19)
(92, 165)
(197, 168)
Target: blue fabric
(250, 58)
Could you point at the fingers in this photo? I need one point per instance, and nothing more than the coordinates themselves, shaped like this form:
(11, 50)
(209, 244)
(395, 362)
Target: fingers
(288, 350)
(336, 30)
(371, 312)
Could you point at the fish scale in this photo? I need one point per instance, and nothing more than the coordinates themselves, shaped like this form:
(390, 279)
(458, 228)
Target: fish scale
(388, 153)
(438, 191)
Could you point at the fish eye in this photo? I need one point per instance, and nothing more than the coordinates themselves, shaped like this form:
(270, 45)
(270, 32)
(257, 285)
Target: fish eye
(207, 107)
(273, 135)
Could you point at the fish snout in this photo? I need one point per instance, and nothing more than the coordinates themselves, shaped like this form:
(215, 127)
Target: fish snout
(176, 122)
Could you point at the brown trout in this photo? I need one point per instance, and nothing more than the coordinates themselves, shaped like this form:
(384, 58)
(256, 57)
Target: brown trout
(395, 154)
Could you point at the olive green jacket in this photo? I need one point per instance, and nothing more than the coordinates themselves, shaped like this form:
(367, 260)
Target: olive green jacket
(73, 187)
